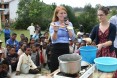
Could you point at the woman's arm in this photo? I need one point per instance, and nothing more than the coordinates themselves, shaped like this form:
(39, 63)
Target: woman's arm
(106, 44)
(71, 31)
(53, 31)
(111, 38)
(54, 36)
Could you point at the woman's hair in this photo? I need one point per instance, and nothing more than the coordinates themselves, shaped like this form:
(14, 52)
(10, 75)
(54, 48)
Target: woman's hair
(104, 9)
(57, 9)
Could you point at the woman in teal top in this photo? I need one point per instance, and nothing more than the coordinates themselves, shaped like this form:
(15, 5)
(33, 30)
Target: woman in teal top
(60, 31)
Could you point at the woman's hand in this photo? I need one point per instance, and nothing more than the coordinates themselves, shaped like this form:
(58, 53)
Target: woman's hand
(55, 28)
(100, 46)
(67, 22)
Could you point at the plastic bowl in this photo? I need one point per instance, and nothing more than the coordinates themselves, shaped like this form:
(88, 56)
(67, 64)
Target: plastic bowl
(106, 64)
(88, 53)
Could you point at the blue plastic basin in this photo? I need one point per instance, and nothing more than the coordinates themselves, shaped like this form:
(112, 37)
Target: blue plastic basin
(88, 53)
(106, 64)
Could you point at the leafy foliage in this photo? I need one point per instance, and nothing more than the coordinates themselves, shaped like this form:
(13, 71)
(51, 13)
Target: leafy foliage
(33, 11)
(37, 12)
(113, 12)
(88, 18)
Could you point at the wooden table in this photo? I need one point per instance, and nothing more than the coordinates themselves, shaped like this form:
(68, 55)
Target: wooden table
(96, 74)
(99, 74)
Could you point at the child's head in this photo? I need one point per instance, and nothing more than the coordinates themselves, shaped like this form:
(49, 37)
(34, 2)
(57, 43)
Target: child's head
(42, 38)
(8, 47)
(32, 41)
(46, 35)
(3, 69)
(83, 43)
(37, 46)
(37, 31)
(22, 36)
(34, 48)
(44, 45)
(26, 40)
(12, 50)
(22, 46)
(27, 50)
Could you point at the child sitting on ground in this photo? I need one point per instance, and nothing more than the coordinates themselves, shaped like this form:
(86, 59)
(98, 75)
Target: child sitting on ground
(12, 58)
(25, 64)
(3, 67)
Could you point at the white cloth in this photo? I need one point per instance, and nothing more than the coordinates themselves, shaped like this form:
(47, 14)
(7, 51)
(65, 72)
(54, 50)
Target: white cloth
(31, 29)
(24, 59)
(25, 68)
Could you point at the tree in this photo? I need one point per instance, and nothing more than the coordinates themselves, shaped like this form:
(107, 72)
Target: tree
(23, 13)
(33, 11)
(113, 12)
(88, 18)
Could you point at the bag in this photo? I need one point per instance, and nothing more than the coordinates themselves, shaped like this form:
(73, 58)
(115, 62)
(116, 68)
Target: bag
(25, 68)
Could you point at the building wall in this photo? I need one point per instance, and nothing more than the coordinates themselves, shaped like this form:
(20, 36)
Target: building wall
(6, 0)
(10, 10)
(13, 7)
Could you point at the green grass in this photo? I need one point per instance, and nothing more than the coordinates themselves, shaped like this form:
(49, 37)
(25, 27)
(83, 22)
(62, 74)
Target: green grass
(18, 32)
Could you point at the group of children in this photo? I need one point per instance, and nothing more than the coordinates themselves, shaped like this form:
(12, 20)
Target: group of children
(34, 54)
(28, 58)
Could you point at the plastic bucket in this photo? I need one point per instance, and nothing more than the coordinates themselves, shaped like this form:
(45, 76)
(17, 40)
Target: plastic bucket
(88, 53)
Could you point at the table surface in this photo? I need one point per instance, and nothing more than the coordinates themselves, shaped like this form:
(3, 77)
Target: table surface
(96, 74)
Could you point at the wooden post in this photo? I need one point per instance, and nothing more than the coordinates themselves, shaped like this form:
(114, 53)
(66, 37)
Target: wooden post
(0, 19)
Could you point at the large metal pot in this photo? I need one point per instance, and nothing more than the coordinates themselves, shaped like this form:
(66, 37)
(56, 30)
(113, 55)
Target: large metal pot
(70, 63)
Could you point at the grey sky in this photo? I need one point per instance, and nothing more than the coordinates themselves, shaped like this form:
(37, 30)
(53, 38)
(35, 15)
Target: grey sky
(82, 3)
